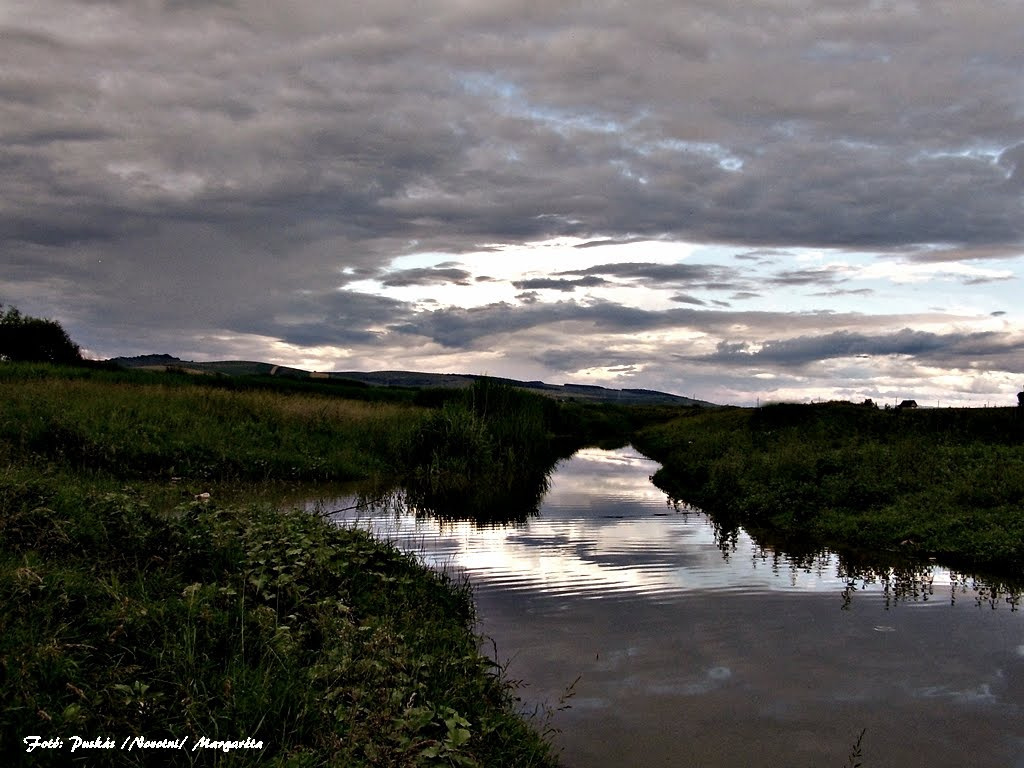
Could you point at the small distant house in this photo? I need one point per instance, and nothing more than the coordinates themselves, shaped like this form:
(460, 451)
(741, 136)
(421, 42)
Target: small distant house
(907, 404)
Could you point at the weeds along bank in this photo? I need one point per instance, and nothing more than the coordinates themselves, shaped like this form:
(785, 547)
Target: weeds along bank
(326, 645)
(947, 483)
(124, 614)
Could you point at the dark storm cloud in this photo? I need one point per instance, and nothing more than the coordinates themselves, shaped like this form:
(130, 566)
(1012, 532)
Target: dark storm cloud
(512, 121)
(453, 327)
(568, 286)
(577, 357)
(981, 280)
(179, 5)
(961, 350)
(470, 328)
(760, 257)
(206, 165)
(56, 135)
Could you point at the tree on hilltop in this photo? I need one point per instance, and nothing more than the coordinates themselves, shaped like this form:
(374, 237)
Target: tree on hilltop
(32, 339)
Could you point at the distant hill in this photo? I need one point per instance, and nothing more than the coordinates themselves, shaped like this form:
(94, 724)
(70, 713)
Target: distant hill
(408, 380)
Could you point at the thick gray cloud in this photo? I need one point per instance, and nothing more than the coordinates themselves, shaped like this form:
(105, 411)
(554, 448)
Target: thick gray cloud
(556, 284)
(467, 328)
(962, 350)
(175, 169)
(667, 275)
(810, 124)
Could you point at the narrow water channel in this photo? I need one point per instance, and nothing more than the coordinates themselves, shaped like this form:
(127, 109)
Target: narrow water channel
(687, 650)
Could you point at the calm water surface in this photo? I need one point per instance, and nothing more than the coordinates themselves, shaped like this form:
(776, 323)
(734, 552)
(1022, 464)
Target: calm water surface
(690, 651)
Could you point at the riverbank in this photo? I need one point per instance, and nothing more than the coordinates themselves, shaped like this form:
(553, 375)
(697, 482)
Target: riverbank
(138, 604)
(940, 483)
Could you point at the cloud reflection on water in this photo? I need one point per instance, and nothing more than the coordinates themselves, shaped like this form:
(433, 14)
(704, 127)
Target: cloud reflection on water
(691, 649)
(605, 530)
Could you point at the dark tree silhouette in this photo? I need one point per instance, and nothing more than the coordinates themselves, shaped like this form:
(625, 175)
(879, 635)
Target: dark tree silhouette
(24, 338)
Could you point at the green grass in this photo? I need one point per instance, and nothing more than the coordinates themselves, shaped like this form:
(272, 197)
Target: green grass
(942, 483)
(129, 609)
(329, 646)
(146, 426)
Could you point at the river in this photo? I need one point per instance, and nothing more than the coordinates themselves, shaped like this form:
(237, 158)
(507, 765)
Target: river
(644, 639)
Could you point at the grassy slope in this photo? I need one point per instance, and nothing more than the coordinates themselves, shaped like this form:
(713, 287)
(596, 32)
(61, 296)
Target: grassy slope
(942, 483)
(147, 425)
(122, 618)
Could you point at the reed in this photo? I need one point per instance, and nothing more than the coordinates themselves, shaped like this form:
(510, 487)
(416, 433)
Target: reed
(484, 455)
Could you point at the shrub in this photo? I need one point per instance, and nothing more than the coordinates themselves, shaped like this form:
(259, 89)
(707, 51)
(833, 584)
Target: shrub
(31, 339)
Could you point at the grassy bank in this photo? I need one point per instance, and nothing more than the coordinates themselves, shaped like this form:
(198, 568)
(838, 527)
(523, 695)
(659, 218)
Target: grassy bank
(148, 426)
(944, 483)
(129, 609)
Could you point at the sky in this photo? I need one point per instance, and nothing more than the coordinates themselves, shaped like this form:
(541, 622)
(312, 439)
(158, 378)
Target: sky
(741, 201)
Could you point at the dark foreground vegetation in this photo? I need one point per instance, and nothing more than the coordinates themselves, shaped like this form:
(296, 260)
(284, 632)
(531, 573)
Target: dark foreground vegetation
(327, 646)
(130, 607)
(942, 483)
(24, 338)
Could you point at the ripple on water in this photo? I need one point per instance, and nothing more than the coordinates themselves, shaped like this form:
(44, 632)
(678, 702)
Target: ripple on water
(720, 644)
